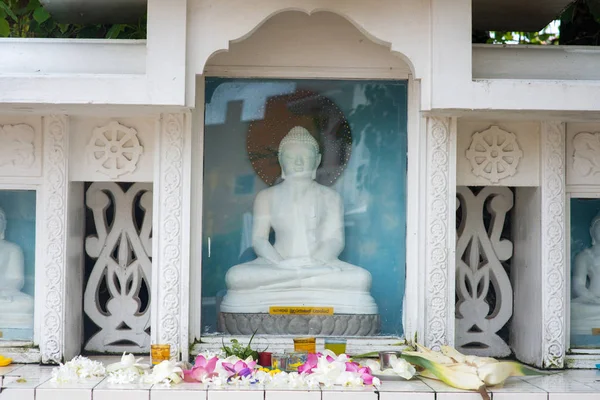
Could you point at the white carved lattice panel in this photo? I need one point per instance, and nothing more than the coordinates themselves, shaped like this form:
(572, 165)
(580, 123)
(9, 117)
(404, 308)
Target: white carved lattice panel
(122, 251)
(479, 256)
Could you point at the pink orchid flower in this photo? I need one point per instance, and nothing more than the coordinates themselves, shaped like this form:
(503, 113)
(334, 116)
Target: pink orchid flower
(352, 366)
(240, 368)
(366, 375)
(310, 364)
(203, 369)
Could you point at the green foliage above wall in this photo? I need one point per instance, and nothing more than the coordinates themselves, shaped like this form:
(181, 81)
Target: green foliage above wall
(577, 25)
(28, 19)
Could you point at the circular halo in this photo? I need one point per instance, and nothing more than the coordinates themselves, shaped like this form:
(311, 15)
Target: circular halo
(312, 111)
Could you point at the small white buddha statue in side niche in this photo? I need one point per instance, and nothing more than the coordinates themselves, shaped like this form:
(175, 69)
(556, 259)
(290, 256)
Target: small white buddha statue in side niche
(16, 307)
(302, 267)
(585, 304)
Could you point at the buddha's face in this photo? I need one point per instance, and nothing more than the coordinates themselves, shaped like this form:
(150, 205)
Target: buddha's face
(299, 160)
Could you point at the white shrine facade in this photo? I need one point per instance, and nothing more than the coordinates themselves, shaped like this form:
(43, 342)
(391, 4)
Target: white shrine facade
(521, 122)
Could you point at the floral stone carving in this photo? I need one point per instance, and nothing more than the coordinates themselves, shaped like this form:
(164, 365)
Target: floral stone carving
(114, 150)
(326, 325)
(586, 155)
(17, 147)
(494, 154)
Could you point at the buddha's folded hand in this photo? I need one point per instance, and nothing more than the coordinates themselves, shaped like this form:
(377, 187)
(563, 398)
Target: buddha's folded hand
(300, 262)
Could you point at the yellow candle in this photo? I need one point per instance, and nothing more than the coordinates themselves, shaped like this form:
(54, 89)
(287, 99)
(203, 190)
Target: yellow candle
(160, 353)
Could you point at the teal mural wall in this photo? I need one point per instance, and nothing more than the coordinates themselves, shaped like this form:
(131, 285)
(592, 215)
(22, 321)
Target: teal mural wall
(583, 211)
(20, 207)
(373, 184)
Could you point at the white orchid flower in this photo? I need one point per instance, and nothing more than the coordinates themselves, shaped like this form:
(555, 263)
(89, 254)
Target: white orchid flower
(402, 368)
(167, 373)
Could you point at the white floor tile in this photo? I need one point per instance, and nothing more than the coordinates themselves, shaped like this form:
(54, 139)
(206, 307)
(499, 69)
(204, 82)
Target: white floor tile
(349, 395)
(558, 383)
(518, 389)
(406, 396)
(236, 394)
(66, 391)
(458, 396)
(578, 396)
(18, 388)
(414, 385)
(9, 368)
(519, 396)
(292, 395)
(182, 391)
(111, 391)
(32, 371)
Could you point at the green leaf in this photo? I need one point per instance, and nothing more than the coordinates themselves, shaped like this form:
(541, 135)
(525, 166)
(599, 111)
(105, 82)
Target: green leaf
(4, 28)
(8, 11)
(41, 15)
(63, 27)
(115, 31)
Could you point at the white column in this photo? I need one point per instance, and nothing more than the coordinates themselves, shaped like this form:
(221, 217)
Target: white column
(440, 232)
(553, 236)
(54, 238)
(171, 227)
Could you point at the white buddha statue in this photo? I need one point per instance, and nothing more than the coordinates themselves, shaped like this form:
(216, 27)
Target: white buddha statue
(585, 304)
(302, 267)
(16, 307)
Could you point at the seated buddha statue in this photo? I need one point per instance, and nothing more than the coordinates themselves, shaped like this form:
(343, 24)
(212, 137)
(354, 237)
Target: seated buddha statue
(302, 267)
(585, 302)
(16, 307)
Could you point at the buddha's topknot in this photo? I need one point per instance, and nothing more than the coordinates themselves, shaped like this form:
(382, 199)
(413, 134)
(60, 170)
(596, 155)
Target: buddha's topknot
(299, 134)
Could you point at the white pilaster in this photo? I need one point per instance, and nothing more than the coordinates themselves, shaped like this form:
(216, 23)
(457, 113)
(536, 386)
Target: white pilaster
(170, 263)
(54, 238)
(440, 232)
(553, 235)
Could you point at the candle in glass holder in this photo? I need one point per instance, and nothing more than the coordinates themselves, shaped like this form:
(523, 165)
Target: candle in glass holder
(160, 353)
(337, 345)
(307, 344)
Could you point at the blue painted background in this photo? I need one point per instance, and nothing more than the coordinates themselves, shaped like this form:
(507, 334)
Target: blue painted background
(373, 184)
(583, 211)
(19, 207)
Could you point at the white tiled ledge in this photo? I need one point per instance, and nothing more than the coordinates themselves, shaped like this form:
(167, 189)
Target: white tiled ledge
(32, 382)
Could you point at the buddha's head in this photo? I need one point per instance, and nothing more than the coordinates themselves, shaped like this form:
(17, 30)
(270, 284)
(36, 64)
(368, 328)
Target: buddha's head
(2, 224)
(299, 154)
(595, 230)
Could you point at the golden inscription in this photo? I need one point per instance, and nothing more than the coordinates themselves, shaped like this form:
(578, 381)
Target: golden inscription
(284, 310)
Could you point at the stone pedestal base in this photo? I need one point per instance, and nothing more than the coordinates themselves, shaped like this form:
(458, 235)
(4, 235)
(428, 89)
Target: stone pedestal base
(315, 325)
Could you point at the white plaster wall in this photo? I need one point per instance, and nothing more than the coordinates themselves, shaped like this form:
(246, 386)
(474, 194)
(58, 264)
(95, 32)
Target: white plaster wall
(528, 139)
(306, 42)
(401, 26)
(526, 325)
(74, 271)
(80, 167)
(575, 176)
(39, 56)
(7, 167)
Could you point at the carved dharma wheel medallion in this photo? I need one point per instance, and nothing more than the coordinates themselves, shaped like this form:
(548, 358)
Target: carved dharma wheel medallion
(316, 113)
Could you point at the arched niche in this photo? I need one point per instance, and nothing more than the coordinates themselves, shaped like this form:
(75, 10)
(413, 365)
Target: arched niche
(321, 45)
(213, 27)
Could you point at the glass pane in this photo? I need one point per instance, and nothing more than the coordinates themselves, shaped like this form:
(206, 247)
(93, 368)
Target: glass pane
(360, 129)
(17, 264)
(585, 273)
